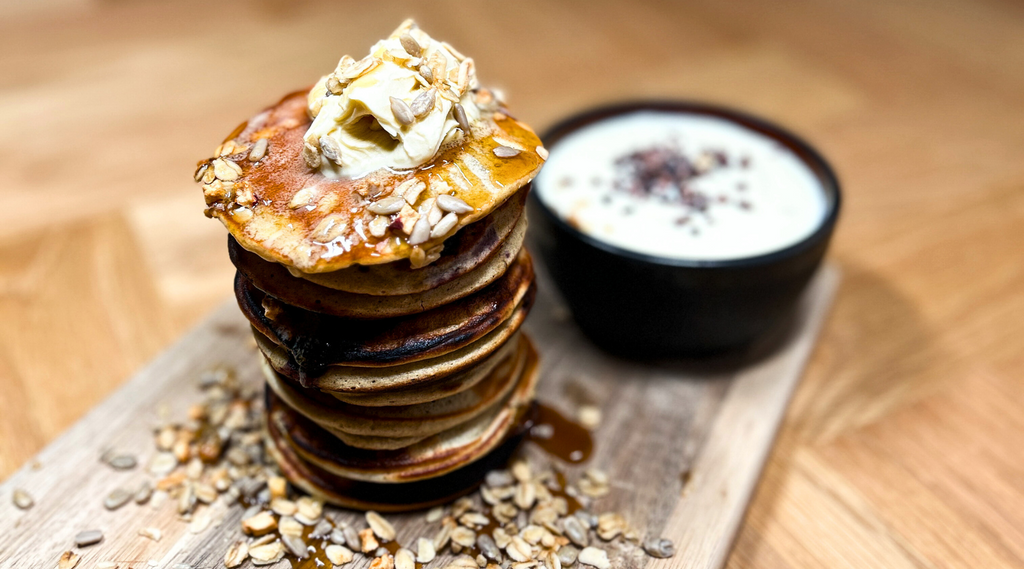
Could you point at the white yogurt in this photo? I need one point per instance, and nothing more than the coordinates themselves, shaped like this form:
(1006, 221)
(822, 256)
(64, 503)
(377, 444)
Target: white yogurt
(762, 199)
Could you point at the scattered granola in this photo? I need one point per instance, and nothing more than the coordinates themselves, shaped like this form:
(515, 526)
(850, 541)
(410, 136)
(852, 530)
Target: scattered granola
(68, 560)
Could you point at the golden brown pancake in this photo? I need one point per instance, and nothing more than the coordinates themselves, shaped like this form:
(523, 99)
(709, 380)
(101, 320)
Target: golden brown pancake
(434, 456)
(383, 497)
(261, 209)
(463, 252)
(366, 379)
(275, 280)
(405, 422)
(315, 340)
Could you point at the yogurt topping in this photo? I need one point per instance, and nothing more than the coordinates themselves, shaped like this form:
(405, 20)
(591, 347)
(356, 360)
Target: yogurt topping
(682, 186)
(395, 108)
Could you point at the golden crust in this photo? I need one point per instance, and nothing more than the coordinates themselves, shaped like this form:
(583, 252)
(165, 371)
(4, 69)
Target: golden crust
(284, 211)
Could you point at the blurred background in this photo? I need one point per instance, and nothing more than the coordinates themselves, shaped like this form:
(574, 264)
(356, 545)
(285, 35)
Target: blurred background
(902, 447)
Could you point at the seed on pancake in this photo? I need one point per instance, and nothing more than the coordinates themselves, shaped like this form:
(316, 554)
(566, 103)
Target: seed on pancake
(386, 206)
(338, 554)
(543, 152)
(425, 552)
(329, 228)
(331, 149)
(402, 112)
(453, 204)
(420, 232)
(459, 114)
(444, 226)
(335, 85)
(267, 554)
(216, 191)
(311, 155)
(380, 526)
(426, 73)
(368, 542)
(410, 45)
(260, 523)
(518, 549)
(505, 152)
(226, 170)
(237, 553)
(379, 225)
(412, 191)
(68, 560)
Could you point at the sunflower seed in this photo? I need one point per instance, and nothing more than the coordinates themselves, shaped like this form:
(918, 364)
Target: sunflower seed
(88, 537)
(453, 204)
(423, 103)
(400, 109)
(567, 555)
(594, 557)
(226, 170)
(151, 533)
(116, 499)
(460, 117)
(68, 560)
(296, 546)
(259, 150)
(352, 538)
(425, 552)
(421, 232)
(338, 554)
(380, 526)
(486, 545)
(331, 149)
(388, 205)
(410, 45)
(659, 547)
(444, 226)
(505, 152)
(575, 531)
(426, 73)
(237, 553)
(22, 499)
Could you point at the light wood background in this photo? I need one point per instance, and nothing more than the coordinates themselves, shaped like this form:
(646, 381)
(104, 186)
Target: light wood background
(903, 445)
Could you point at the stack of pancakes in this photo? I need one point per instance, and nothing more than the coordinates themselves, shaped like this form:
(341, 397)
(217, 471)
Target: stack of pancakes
(389, 387)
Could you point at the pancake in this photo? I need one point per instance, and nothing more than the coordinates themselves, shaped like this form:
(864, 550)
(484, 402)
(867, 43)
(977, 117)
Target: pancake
(411, 421)
(261, 209)
(434, 456)
(315, 340)
(364, 379)
(383, 497)
(463, 252)
(276, 281)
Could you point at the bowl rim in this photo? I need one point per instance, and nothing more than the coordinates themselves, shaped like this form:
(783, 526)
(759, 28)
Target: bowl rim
(814, 160)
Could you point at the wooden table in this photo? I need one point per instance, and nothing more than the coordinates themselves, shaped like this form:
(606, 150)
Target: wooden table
(903, 446)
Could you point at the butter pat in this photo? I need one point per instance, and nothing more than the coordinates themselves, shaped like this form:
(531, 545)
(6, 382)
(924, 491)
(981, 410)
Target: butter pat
(394, 109)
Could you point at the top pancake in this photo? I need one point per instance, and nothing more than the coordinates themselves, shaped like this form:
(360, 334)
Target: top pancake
(324, 228)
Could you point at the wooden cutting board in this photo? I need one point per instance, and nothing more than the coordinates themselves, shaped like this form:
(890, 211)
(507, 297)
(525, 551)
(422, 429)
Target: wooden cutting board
(683, 443)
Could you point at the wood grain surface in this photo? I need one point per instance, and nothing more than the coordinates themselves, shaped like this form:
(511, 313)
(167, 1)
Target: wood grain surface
(902, 447)
(683, 445)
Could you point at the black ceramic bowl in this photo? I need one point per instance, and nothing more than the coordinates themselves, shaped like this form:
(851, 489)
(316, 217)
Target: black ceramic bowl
(640, 305)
